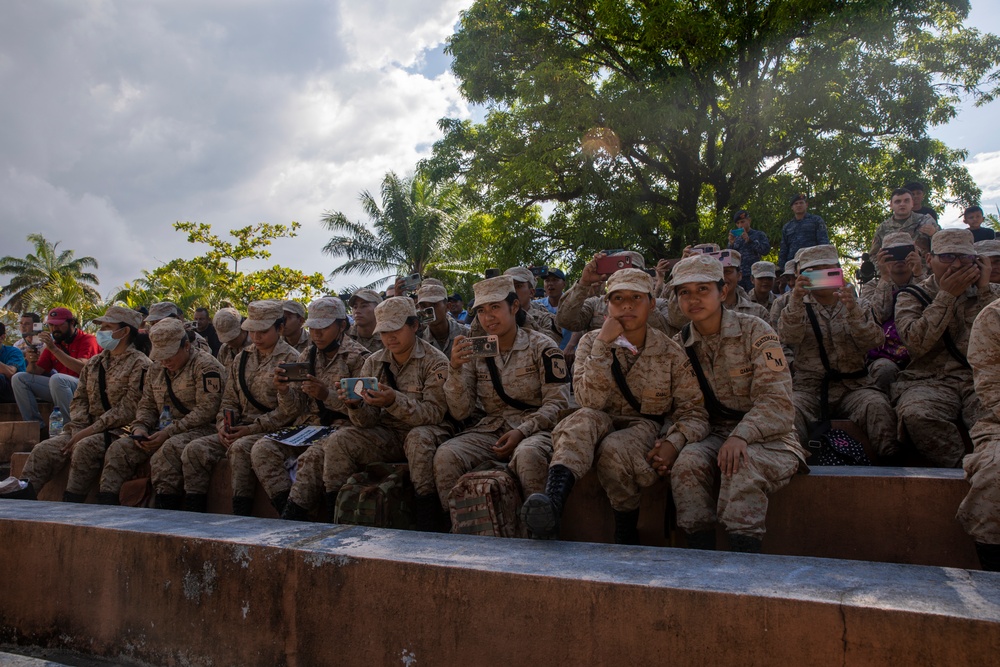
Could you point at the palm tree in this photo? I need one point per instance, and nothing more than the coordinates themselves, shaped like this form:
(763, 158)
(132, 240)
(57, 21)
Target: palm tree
(46, 268)
(412, 228)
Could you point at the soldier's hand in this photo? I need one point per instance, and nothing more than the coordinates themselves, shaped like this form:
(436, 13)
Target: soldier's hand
(882, 262)
(383, 398)
(915, 264)
(732, 239)
(590, 276)
(662, 457)
(153, 442)
(314, 388)
(280, 380)
(610, 330)
(846, 296)
(928, 229)
(663, 268)
(507, 443)
(234, 435)
(985, 267)
(461, 351)
(799, 291)
(732, 454)
(67, 449)
(351, 403)
(687, 252)
(959, 277)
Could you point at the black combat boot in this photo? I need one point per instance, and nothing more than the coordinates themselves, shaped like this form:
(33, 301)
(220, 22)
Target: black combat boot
(989, 556)
(428, 512)
(294, 512)
(195, 502)
(703, 539)
(627, 527)
(168, 501)
(108, 498)
(279, 501)
(541, 511)
(73, 497)
(744, 544)
(331, 505)
(27, 493)
(242, 505)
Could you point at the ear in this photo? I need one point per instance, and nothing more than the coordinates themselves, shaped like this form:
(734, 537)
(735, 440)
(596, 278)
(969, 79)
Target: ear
(724, 292)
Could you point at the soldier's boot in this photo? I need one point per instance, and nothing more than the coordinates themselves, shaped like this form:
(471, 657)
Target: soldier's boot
(108, 498)
(427, 509)
(27, 493)
(744, 544)
(242, 505)
(702, 539)
(73, 497)
(167, 501)
(627, 527)
(294, 512)
(541, 511)
(331, 505)
(279, 501)
(989, 556)
(195, 502)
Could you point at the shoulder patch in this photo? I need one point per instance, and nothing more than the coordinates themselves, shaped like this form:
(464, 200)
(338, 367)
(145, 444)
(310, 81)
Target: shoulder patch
(774, 359)
(212, 382)
(764, 340)
(555, 365)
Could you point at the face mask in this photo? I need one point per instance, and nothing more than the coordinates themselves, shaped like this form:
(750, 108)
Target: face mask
(107, 340)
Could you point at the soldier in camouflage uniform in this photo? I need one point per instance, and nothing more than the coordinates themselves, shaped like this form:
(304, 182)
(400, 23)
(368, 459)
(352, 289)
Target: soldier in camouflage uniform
(936, 388)
(842, 387)
(104, 403)
(234, 339)
(440, 333)
(619, 425)
(748, 394)
(541, 319)
(736, 296)
(333, 355)
(251, 395)
(362, 305)
(293, 333)
(532, 374)
(903, 219)
(979, 513)
(188, 383)
(764, 274)
(990, 249)
(164, 309)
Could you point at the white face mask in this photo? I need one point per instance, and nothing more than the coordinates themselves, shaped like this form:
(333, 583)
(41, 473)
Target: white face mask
(107, 340)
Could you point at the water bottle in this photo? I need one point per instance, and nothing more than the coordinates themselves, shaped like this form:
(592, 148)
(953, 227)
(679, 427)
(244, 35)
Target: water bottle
(56, 422)
(164, 418)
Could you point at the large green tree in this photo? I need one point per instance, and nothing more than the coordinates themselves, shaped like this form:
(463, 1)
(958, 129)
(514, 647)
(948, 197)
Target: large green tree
(48, 272)
(647, 124)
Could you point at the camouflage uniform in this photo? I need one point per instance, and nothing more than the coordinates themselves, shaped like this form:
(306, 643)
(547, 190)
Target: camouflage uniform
(534, 371)
(454, 329)
(746, 370)
(744, 305)
(581, 310)
(372, 343)
(910, 225)
(124, 376)
(979, 512)
(198, 385)
(608, 427)
(302, 344)
(766, 304)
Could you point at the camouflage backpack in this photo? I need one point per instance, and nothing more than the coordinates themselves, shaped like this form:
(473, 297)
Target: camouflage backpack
(381, 496)
(486, 501)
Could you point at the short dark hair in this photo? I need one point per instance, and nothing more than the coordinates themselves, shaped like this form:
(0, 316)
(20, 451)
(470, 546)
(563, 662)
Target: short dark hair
(200, 309)
(973, 209)
(35, 317)
(915, 185)
(901, 191)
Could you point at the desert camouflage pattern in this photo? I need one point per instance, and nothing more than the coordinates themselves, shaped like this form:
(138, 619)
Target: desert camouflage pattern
(454, 329)
(583, 309)
(371, 343)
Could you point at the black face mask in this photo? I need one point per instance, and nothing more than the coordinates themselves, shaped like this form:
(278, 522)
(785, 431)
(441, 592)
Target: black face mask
(332, 347)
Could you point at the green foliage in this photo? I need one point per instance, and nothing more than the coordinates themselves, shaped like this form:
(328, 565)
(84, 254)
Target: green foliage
(48, 273)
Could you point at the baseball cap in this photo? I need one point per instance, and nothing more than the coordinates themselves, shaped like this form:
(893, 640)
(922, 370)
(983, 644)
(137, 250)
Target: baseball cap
(261, 315)
(697, 269)
(227, 324)
(119, 315)
(635, 280)
(58, 316)
(325, 311)
(391, 314)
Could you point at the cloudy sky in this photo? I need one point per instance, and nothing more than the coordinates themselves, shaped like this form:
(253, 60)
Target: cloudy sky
(120, 118)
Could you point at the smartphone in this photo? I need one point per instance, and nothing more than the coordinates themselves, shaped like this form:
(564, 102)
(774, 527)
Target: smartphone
(37, 327)
(723, 256)
(229, 419)
(411, 282)
(354, 386)
(824, 278)
(606, 265)
(427, 316)
(538, 271)
(139, 438)
(295, 372)
(485, 346)
(899, 253)
(736, 232)
(492, 273)
(539, 292)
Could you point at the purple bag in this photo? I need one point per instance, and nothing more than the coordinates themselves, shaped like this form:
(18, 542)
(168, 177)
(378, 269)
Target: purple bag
(893, 348)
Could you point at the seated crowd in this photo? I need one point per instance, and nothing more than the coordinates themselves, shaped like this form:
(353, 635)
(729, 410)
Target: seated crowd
(690, 372)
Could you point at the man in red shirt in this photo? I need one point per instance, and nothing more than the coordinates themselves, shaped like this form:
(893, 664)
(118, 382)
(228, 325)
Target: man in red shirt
(54, 374)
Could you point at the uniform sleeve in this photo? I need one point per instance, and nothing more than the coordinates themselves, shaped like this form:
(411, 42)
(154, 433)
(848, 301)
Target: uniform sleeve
(206, 403)
(280, 416)
(773, 412)
(431, 407)
(229, 399)
(759, 243)
(689, 418)
(364, 415)
(147, 411)
(460, 390)
(555, 390)
(792, 322)
(125, 408)
(592, 379)
(877, 240)
(79, 407)
(547, 325)
(984, 357)
(293, 401)
(921, 328)
(574, 311)
(675, 317)
(877, 295)
(866, 332)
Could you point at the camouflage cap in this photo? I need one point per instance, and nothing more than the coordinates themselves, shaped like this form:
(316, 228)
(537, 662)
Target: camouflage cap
(764, 270)
(325, 311)
(637, 260)
(696, 269)
(227, 323)
(706, 247)
(294, 307)
(735, 257)
(636, 280)
(957, 241)
(369, 295)
(261, 315)
(431, 293)
(816, 255)
(391, 314)
(161, 311)
(493, 290)
(120, 315)
(789, 268)
(166, 336)
(431, 281)
(521, 274)
(897, 240)
(988, 248)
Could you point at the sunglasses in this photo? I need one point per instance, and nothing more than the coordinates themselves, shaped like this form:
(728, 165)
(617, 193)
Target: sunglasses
(949, 257)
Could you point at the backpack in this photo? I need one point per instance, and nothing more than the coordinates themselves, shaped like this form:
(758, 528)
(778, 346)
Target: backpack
(837, 448)
(381, 496)
(486, 501)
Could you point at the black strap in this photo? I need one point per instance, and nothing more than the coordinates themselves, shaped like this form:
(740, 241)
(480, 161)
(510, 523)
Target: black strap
(390, 377)
(619, 376)
(830, 374)
(949, 342)
(243, 385)
(102, 386)
(713, 405)
(491, 364)
(183, 409)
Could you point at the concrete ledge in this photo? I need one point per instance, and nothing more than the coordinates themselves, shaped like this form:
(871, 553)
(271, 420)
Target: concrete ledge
(171, 588)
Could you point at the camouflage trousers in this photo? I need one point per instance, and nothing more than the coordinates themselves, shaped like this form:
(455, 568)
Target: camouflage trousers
(46, 460)
(883, 373)
(200, 457)
(742, 503)
(124, 457)
(979, 512)
(927, 413)
(454, 458)
(867, 407)
(620, 445)
(268, 458)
